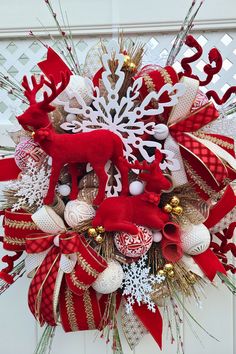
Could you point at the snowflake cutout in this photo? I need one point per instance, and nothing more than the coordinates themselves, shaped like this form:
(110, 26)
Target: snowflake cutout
(124, 118)
(32, 186)
(138, 284)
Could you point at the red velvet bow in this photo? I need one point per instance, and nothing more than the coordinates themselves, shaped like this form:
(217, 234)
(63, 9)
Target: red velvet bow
(8, 169)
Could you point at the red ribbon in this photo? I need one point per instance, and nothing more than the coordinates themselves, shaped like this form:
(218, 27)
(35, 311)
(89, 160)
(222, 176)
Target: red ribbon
(8, 169)
(203, 161)
(171, 242)
(209, 264)
(53, 66)
(79, 313)
(152, 321)
(208, 261)
(222, 208)
(221, 250)
(68, 242)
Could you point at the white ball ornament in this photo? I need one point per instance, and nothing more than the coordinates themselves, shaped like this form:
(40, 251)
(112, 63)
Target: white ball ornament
(110, 279)
(136, 187)
(196, 240)
(77, 211)
(64, 190)
(157, 236)
(70, 117)
(78, 85)
(161, 132)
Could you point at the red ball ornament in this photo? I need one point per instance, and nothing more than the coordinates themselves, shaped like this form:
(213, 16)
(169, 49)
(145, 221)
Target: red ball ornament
(27, 149)
(134, 245)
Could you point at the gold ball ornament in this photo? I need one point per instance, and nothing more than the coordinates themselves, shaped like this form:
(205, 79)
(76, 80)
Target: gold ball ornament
(171, 274)
(132, 67)
(177, 210)
(100, 229)
(161, 272)
(174, 201)
(33, 135)
(167, 208)
(192, 279)
(168, 267)
(126, 59)
(92, 232)
(99, 239)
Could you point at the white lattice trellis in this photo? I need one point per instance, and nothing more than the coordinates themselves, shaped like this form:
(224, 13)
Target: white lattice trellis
(19, 57)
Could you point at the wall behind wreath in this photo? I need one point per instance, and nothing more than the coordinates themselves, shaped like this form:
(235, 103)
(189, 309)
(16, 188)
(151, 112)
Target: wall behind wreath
(154, 22)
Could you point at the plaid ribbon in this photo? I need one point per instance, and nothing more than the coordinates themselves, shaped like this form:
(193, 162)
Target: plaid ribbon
(203, 161)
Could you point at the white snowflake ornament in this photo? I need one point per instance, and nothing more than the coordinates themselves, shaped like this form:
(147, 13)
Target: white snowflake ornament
(138, 284)
(32, 186)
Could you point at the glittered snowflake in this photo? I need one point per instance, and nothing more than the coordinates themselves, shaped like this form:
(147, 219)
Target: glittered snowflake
(32, 186)
(138, 284)
(123, 117)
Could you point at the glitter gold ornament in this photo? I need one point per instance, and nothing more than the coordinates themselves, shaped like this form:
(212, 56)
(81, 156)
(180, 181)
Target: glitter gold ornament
(99, 239)
(92, 232)
(174, 201)
(161, 272)
(126, 60)
(177, 210)
(100, 229)
(171, 274)
(191, 279)
(132, 67)
(168, 267)
(167, 208)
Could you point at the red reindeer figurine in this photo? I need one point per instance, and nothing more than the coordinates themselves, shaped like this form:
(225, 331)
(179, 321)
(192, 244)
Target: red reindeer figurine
(96, 147)
(122, 213)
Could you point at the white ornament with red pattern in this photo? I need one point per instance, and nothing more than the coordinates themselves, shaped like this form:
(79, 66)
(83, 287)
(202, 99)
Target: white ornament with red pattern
(26, 149)
(134, 245)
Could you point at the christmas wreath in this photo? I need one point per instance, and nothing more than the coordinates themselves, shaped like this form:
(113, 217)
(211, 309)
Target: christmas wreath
(121, 197)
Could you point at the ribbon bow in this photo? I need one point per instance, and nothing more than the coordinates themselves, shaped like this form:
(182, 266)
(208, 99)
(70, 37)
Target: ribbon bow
(57, 282)
(208, 156)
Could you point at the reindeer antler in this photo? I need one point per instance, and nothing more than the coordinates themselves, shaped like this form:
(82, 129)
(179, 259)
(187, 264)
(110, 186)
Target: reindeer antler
(29, 93)
(137, 165)
(144, 165)
(55, 91)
